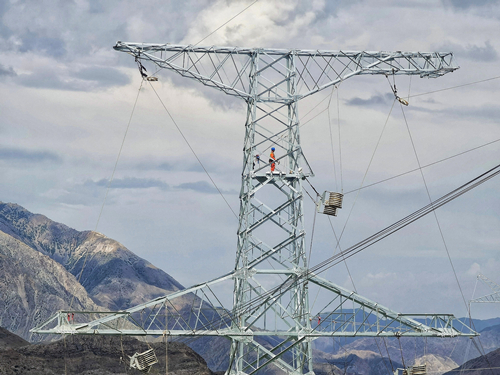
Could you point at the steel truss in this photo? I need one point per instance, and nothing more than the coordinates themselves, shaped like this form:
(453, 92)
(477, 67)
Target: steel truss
(270, 322)
(489, 298)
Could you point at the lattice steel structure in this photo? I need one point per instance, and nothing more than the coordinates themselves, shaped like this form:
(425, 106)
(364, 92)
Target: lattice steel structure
(489, 298)
(270, 322)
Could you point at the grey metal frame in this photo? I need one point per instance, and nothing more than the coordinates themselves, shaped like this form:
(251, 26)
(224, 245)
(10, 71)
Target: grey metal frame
(272, 301)
(489, 298)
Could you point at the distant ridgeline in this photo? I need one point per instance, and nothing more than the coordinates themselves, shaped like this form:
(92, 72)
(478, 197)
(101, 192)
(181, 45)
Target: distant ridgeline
(40, 261)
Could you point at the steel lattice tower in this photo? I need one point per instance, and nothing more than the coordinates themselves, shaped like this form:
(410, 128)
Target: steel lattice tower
(271, 275)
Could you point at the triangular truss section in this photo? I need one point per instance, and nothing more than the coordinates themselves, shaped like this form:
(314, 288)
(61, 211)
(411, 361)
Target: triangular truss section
(489, 298)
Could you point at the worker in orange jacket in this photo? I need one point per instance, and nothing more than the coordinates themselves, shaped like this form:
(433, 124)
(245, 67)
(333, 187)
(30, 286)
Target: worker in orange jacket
(272, 159)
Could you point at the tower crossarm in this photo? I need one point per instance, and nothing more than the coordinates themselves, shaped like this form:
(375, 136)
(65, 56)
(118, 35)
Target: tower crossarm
(378, 320)
(232, 69)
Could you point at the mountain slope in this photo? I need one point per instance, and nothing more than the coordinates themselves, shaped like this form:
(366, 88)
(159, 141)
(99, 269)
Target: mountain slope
(8, 340)
(483, 365)
(33, 287)
(95, 355)
(115, 277)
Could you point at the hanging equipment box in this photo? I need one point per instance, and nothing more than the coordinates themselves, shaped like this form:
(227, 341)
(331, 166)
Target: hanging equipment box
(329, 203)
(143, 361)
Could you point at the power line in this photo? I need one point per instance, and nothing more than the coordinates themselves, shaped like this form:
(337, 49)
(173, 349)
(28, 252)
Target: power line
(424, 166)
(434, 212)
(224, 24)
(109, 184)
(454, 87)
(192, 150)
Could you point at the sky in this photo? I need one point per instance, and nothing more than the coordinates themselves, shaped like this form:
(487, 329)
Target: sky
(67, 99)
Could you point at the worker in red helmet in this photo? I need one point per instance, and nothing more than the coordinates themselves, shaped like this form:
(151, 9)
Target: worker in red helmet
(272, 159)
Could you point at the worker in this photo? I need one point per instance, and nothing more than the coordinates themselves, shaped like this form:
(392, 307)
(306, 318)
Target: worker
(272, 159)
(257, 159)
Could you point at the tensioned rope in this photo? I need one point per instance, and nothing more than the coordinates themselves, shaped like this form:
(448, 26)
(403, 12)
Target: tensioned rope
(336, 88)
(424, 166)
(224, 24)
(366, 173)
(467, 306)
(175, 123)
(340, 143)
(217, 29)
(454, 87)
(109, 185)
(192, 150)
(331, 139)
(430, 201)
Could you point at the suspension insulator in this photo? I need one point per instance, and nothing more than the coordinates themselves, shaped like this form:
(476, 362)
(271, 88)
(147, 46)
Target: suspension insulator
(329, 210)
(329, 203)
(335, 200)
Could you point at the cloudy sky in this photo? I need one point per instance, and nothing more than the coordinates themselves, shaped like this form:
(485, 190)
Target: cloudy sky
(67, 96)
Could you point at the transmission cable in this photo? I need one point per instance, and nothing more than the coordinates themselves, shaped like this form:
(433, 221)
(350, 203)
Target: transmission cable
(434, 212)
(423, 166)
(192, 150)
(366, 173)
(108, 187)
(331, 139)
(225, 23)
(415, 215)
(455, 87)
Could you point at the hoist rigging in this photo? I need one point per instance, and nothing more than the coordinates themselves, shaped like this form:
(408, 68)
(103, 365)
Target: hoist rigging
(273, 302)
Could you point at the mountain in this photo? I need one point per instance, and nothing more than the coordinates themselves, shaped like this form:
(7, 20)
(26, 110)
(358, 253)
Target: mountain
(113, 276)
(8, 340)
(33, 287)
(479, 325)
(436, 364)
(355, 362)
(96, 355)
(457, 349)
(483, 365)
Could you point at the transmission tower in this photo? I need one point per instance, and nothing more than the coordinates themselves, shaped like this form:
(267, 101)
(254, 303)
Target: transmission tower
(270, 322)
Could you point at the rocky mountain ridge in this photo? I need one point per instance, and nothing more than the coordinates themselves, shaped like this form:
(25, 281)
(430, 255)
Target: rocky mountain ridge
(114, 276)
(96, 355)
(33, 287)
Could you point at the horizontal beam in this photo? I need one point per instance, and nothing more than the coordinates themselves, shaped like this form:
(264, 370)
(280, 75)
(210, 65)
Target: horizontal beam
(73, 330)
(167, 47)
